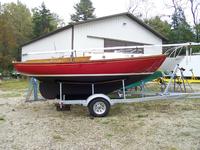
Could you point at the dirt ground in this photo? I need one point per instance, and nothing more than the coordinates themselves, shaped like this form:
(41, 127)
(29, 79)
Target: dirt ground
(167, 125)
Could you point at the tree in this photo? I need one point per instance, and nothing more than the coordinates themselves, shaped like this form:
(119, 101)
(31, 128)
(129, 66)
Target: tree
(19, 17)
(84, 11)
(44, 21)
(7, 43)
(16, 28)
(181, 30)
(162, 27)
(195, 4)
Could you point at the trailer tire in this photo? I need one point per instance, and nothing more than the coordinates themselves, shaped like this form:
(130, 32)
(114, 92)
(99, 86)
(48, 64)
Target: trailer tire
(99, 107)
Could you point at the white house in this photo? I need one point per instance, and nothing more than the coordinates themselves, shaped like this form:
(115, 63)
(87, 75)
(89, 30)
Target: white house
(116, 30)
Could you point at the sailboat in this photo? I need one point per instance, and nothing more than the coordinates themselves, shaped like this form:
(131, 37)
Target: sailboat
(78, 76)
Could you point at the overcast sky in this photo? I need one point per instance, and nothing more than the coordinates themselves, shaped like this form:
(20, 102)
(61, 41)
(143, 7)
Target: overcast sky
(103, 7)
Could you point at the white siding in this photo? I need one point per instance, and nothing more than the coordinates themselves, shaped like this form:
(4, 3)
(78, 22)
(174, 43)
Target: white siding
(60, 41)
(118, 28)
(91, 35)
(93, 43)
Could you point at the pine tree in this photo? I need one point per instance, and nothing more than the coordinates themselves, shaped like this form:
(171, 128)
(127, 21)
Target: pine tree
(84, 11)
(43, 21)
(181, 30)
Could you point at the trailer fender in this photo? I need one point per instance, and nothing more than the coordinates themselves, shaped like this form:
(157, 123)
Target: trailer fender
(92, 97)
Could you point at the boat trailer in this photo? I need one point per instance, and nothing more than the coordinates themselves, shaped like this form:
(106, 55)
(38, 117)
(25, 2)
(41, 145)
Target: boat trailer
(99, 104)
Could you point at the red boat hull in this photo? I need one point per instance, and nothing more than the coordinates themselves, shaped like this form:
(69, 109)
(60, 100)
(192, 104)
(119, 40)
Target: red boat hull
(112, 67)
(78, 76)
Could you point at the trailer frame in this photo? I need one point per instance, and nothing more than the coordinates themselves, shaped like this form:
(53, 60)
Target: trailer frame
(99, 104)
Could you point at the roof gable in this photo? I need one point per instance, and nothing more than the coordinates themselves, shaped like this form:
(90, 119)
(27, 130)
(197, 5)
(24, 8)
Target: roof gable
(98, 19)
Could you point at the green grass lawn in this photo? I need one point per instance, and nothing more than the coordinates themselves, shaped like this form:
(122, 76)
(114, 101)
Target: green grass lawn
(13, 88)
(13, 84)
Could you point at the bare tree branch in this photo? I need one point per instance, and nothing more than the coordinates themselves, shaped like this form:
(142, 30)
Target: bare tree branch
(133, 5)
(140, 8)
(195, 4)
(195, 10)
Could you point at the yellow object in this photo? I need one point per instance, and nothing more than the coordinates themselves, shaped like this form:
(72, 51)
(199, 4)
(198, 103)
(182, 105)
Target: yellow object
(60, 60)
(185, 80)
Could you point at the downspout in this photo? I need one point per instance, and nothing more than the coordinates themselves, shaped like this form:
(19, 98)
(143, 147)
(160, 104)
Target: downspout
(72, 42)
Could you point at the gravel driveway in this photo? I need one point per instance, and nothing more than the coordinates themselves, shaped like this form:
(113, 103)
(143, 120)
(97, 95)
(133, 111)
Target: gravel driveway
(168, 125)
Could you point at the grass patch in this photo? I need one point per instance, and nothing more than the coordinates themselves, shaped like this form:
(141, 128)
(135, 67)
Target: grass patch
(141, 124)
(2, 119)
(13, 85)
(142, 115)
(109, 135)
(58, 137)
(105, 122)
(36, 109)
(6, 95)
(185, 133)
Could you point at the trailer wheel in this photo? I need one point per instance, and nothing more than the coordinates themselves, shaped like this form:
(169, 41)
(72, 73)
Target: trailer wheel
(99, 107)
